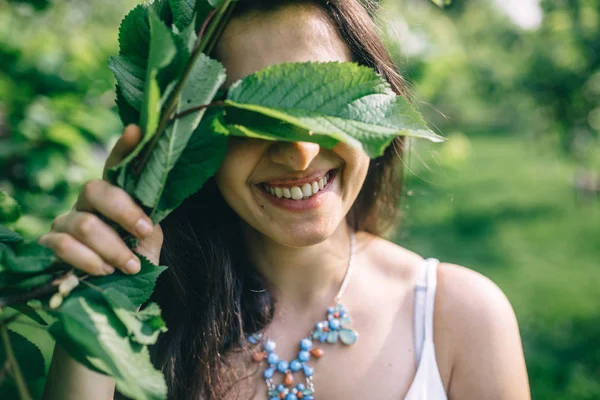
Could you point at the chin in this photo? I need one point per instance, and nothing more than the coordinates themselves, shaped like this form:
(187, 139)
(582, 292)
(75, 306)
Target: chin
(303, 237)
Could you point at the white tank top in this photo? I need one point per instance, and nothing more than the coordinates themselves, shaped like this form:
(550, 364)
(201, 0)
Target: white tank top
(427, 384)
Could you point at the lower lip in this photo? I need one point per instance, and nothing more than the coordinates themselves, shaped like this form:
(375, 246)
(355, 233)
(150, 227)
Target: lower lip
(312, 202)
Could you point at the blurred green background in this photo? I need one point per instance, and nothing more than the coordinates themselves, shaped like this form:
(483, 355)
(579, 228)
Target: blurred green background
(514, 193)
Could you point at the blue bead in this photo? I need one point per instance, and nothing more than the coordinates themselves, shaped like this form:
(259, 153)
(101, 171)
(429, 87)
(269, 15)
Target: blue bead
(275, 398)
(300, 386)
(308, 398)
(268, 374)
(280, 388)
(270, 346)
(282, 366)
(334, 324)
(319, 326)
(291, 396)
(252, 339)
(330, 310)
(308, 371)
(272, 358)
(303, 356)
(306, 344)
(295, 366)
(323, 337)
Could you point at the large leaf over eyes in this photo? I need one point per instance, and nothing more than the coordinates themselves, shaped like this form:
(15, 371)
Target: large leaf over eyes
(342, 101)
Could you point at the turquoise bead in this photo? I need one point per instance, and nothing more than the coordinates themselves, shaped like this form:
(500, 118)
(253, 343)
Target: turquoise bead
(270, 346)
(332, 337)
(304, 356)
(272, 358)
(334, 324)
(269, 372)
(308, 371)
(306, 344)
(295, 366)
(348, 336)
(316, 334)
(282, 366)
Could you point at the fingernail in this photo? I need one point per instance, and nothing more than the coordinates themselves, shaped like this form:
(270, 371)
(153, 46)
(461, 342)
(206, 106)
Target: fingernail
(144, 227)
(133, 266)
(108, 269)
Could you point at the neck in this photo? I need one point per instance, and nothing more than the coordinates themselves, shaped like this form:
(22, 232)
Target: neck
(301, 278)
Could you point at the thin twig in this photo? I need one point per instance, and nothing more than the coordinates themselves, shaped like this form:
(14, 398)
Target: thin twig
(192, 110)
(40, 291)
(14, 365)
(4, 372)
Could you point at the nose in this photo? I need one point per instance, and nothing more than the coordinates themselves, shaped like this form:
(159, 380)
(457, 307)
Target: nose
(295, 155)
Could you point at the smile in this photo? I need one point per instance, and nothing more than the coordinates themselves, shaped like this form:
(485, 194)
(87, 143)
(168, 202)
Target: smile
(300, 192)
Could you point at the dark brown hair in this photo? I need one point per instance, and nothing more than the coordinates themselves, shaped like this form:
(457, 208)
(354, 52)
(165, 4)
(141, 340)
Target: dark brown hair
(210, 295)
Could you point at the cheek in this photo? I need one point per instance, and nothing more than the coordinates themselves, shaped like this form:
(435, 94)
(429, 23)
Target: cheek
(356, 166)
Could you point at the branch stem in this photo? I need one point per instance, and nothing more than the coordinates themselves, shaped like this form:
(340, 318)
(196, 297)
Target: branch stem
(14, 365)
(210, 26)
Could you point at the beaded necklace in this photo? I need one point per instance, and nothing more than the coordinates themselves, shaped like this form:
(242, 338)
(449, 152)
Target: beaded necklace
(336, 327)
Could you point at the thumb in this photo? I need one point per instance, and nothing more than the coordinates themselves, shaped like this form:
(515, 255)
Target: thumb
(132, 135)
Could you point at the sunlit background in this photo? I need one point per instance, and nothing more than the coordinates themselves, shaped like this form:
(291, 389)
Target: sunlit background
(514, 193)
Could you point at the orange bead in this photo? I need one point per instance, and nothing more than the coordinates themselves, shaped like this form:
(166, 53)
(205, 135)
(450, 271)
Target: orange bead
(258, 357)
(282, 395)
(336, 314)
(318, 353)
(299, 395)
(326, 329)
(289, 379)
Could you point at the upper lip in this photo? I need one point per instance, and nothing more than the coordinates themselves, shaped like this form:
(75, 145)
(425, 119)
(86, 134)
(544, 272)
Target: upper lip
(290, 182)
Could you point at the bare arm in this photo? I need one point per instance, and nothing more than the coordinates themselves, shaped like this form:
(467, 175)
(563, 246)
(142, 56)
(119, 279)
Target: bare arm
(86, 242)
(477, 318)
(67, 379)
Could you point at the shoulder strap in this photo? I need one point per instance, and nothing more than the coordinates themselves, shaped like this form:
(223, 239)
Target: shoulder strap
(424, 299)
(431, 287)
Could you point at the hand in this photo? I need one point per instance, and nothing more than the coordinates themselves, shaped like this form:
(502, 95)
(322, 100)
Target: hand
(86, 242)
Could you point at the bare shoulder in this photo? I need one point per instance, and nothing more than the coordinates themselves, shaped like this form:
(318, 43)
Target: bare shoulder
(387, 258)
(478, 346)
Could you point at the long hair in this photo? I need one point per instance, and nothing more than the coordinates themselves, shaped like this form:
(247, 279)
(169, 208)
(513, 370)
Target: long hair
(210, 295)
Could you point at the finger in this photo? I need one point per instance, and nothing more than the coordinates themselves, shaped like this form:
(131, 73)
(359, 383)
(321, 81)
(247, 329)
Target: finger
(130, 138)
(68, 249)
(92, 232)
(99, 196)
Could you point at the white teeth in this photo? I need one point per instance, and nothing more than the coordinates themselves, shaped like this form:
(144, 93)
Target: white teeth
(307, 190)
(315, 187)
(296, 193)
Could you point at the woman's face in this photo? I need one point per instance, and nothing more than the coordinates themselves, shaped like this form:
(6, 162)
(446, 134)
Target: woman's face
(258, 176)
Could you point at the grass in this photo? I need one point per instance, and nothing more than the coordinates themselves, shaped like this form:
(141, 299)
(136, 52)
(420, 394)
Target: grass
(502, 207)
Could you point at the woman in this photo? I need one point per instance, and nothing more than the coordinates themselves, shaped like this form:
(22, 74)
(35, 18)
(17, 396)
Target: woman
(245, 259)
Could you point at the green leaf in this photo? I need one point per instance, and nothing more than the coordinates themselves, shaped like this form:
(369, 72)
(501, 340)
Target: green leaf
(441, 3)
(343, 101)
(28, 311)
(131, 80)
(91, 332)
(9, 236)
(162, 51)
(137, 288)
(9, 208)
(134, 36)
(199, 161)
(144, 326)
(183, 12)
(26, 258)
(205, 78)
